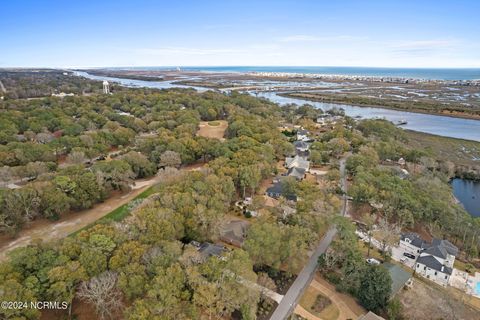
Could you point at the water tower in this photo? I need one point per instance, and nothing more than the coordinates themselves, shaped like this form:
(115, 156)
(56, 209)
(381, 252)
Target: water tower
(106, 88)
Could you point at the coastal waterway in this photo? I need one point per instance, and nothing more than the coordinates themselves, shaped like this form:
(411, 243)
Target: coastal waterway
(433, 124)
(468, 193)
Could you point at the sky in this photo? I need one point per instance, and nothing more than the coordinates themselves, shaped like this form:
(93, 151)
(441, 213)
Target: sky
(383, 33)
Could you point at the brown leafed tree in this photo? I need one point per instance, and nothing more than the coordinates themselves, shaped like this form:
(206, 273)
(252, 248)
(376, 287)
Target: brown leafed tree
(102, 292)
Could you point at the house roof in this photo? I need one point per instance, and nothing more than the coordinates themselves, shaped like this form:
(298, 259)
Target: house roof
(235, 230)
(431, 262)
(302, 132)
(298, 162)
(447, 245)
(298, 173)
(301, 145)
(277, 188)
(208, 249)
(399, 277)
(437, 251)
(414, 240)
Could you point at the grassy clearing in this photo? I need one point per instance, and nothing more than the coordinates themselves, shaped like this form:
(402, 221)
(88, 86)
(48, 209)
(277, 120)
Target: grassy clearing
(212, 129)
(319, 305)
(119, 213)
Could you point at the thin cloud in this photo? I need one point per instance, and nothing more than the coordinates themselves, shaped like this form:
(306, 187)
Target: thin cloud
(311, 38)
(424, 46)
(186, 51)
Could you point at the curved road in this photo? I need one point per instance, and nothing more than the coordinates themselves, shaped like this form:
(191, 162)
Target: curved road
(291, 298)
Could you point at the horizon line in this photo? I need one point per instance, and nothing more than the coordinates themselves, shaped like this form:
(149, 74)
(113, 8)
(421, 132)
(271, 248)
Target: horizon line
(225, 66)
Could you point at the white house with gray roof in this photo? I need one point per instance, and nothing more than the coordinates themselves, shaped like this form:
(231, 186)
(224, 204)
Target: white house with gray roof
(297, 162)
(301, 146)
(412, 243)
(297, 173)
(436, 261)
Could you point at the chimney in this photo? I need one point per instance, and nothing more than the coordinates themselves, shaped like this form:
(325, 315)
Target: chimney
(443, 267)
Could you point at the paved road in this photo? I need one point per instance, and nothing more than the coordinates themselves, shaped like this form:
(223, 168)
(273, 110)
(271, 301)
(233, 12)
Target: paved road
(343, 185)
(291, 298)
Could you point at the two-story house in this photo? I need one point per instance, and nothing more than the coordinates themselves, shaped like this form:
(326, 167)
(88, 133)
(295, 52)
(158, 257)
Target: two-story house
(436, 261)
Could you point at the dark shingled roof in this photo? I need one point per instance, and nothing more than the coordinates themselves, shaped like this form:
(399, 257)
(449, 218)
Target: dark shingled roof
(434, 264)
(447, 245)
(437, 251)
(209, 249)
(277, 188)
(298, 173)
(300, 144)
(415, 240)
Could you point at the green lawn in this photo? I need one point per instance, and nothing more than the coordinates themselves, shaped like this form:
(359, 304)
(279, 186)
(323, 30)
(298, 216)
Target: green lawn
(118, 214)
(214, 123)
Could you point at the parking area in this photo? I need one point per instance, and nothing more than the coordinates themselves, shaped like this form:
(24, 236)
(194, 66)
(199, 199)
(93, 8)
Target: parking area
(396, 252)
(398, 255)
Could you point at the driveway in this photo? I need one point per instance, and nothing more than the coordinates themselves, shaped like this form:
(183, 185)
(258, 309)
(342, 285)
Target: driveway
(396, 251)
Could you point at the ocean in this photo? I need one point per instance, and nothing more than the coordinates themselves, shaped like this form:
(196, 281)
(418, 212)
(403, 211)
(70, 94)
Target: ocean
(416, 73)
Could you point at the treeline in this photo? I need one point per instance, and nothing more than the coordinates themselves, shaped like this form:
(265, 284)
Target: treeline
(344, 265)
(45, 140)
(36, 83)
(420, 196)
(144, 267)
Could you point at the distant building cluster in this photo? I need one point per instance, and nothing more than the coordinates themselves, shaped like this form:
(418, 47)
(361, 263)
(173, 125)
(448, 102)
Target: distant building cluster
(475, 82)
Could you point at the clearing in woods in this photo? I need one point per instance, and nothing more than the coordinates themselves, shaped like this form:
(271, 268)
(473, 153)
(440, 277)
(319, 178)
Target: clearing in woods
(46, 230)
(213, 129)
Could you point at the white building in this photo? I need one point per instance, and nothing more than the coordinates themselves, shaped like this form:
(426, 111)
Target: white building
(302, 135)
(106, 87)
(431, 268)
(327, 119)
(297, 162)
(412, 243)
(436, 262)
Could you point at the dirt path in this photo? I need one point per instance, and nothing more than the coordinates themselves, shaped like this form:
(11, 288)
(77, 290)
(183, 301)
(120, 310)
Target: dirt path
(216, 132)
(347, 306)
(302, 312)
(46, 230)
